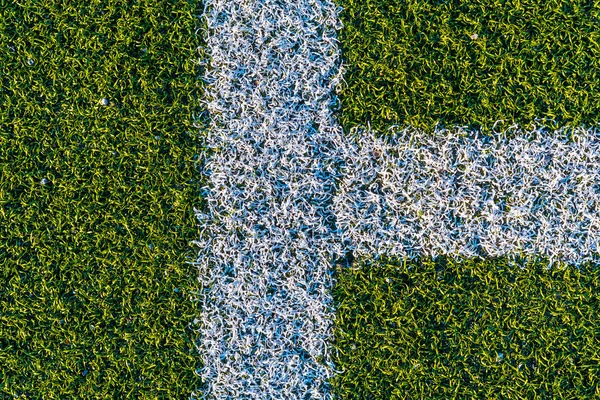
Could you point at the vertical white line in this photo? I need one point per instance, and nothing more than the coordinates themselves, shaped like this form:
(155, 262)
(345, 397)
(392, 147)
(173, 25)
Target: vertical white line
(265, 258)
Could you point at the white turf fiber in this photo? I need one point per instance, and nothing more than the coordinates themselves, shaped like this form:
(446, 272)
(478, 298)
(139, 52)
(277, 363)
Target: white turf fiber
(524, 194)
(266, 251)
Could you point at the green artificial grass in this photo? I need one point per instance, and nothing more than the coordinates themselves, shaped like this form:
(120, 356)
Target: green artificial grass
(470, 63)
(467, 329)
(96, 201)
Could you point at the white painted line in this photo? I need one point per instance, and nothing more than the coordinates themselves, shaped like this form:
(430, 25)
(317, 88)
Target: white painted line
(266, 251)
(461, 194)
(289, 192)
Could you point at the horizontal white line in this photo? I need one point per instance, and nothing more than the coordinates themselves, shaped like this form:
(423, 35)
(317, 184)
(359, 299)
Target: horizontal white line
(455, 192)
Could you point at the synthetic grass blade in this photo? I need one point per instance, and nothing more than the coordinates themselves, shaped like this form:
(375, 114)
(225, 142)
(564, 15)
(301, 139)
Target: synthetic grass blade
(265, 258)
(469, 329)
(426, 62)
(454, 192)
(97, 182)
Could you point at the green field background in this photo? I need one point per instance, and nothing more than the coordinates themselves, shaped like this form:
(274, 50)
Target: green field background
(96, 202)
(478, 63)
(466, 329)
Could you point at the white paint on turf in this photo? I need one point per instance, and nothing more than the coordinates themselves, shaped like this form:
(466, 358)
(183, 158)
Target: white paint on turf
(288, 192)
(454, 192)
(268, 240)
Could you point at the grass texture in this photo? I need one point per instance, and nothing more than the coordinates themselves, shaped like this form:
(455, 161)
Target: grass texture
(96, 200)
(470, 63)
(467, 329)
(470, 328)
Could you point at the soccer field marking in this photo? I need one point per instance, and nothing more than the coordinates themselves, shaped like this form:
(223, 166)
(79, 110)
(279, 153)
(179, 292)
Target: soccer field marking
(289, 192)
(454, 192)
(265, 259)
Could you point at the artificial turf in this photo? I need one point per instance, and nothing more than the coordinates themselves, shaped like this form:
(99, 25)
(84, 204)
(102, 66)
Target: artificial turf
(446, 328)
(470, 63)
(96, 201)
(476, 329)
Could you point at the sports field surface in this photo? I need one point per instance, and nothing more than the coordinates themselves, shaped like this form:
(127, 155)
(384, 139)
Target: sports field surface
(96, 201)
(483, 63)
(299, 199)
(441, 325)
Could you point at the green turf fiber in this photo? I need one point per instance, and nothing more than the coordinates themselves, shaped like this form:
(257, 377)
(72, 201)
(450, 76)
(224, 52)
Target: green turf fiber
(96, 201)
(470, 63)
(467, 330)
